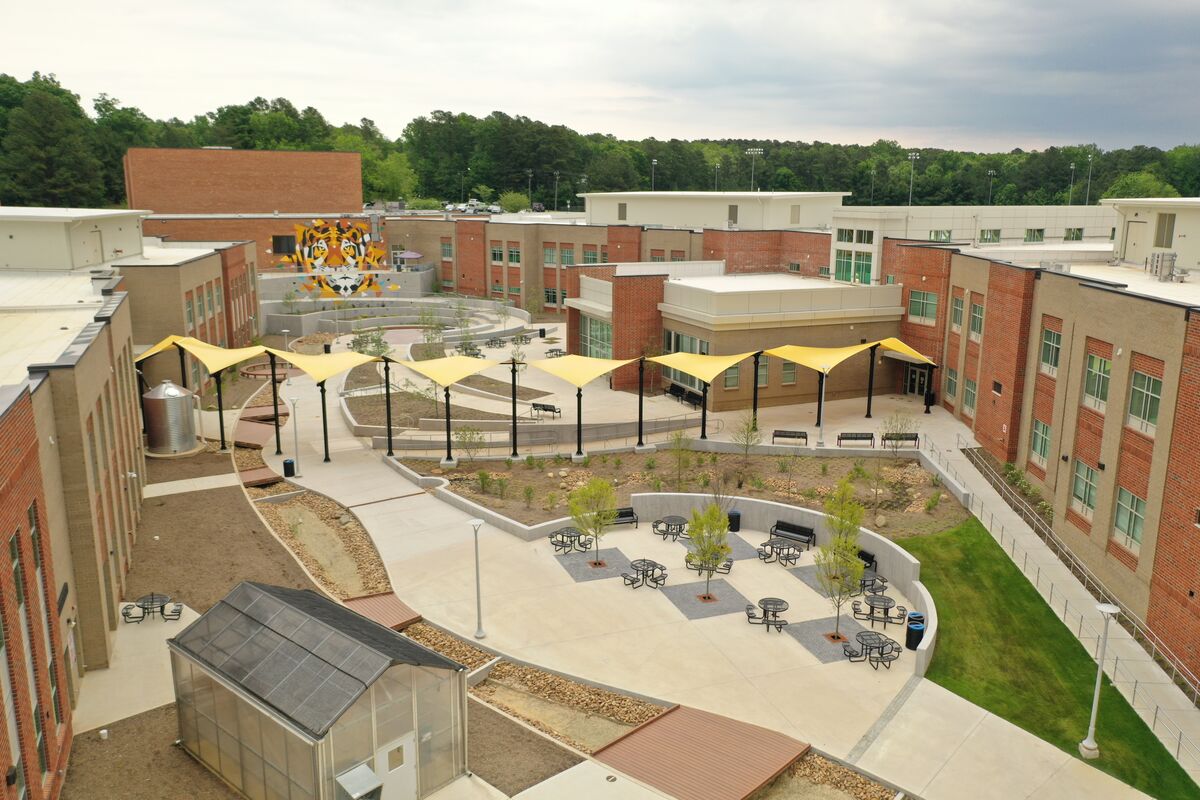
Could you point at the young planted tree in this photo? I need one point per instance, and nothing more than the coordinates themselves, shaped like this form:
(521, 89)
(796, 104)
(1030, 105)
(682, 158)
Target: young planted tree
(431, 327)
(746, 436)
(593, 508)
(895, 424)
(709, 534)
(679, 448)
(839, 569)
(370, 342)
(469, 440)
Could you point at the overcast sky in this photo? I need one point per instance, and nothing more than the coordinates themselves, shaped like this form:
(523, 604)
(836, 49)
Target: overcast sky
(964, 74)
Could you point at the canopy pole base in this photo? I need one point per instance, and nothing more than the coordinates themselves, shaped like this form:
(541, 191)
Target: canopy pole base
(448, 463)
(578, 458)
(645, 448)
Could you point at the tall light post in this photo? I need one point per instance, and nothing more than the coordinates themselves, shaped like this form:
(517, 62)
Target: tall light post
(991, 177)
(1087, 198)
(716, 175)
(753, 152)
(529, 191)
(1071, 186)
(872, 186)
(556, 190)
(295, 434)
(476, 524)
(1088, 747)
(653, 167)
(912, 170)
(462, 184)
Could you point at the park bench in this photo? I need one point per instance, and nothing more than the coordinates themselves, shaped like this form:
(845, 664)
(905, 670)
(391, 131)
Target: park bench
(781, 434)
(544, 408)
(856, 437)
(677, 391)
(913, 438)
(625, 516)
(868, 558)
(694, 399)
(797, 533)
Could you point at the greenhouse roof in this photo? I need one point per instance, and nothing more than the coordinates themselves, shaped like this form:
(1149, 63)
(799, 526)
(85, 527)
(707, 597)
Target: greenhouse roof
(297, 652)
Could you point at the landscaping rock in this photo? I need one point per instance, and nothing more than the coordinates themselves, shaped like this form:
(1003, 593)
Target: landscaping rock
(562, 485)
(562, 473)
(448, 645)
(880, 521)
(820, 770)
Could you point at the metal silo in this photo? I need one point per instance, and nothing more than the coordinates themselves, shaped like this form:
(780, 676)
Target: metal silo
(170, 425)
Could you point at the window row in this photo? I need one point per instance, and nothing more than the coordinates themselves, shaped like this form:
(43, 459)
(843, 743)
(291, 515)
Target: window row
(787, 372)
(854, 236)
(852, 266)
(1129, 512)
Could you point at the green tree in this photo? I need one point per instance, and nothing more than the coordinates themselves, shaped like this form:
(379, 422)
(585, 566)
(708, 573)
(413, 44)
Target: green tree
(483, 193)
(839, 572)
(469, 440)
(370, 342)
(115, 131)
(746, 436)
(593, 508)
(47, 154)
(511, 202)
(844, 514)
(679, 446)
(1140, 184)
(423, 204)
(708, 532)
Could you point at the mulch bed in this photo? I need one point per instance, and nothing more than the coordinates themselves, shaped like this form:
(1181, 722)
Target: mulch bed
(509, 756)
(139, 762)
(161, 470)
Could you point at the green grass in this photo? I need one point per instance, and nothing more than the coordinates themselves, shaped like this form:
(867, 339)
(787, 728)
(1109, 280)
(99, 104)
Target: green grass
(1001, 647)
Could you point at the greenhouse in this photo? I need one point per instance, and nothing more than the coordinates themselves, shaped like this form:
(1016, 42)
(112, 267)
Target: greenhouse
(288, 695)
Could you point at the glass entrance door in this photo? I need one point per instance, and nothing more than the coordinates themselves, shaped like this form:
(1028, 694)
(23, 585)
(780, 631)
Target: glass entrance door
(914, 379)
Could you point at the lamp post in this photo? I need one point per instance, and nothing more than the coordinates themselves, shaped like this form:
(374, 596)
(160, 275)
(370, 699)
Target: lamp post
(753, 152)
(821, 428)
(295, 434)
(476, 524)
(1071, 187)
(716, 175)
(1087, 197)
(653, 167)
(991, 177)
(1088, 747)
(462, 183)
(285, 338)
(912, 170)
(529, 191)
(556, 190)
(872, 187)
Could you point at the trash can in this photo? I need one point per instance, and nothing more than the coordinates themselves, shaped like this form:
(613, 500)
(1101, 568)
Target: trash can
(542, 332)
(328, 348)
(735, 521)
(289, 468)
(916, 616)
(914, 635)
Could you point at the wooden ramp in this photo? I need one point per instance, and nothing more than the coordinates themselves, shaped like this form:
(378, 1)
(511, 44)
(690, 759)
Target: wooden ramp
(694, 755)
(254, 435)
(259, 476)
(384, 608)
(263, 414)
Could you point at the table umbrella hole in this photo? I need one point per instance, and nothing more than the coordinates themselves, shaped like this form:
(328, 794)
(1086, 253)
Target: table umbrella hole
(706, 598)
(836, 638)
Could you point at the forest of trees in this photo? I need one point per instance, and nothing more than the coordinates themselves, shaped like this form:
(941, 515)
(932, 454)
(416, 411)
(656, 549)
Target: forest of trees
(54, 153)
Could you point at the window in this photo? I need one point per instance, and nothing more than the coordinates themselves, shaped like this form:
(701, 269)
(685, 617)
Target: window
(890, 280)
(677, 255)
(1073, 235)
(951, 382)
(822, 272)
(220, 301)
(514, 254)
(212, 307)
(997, 388)
(793, 266)
(283, 245)
(862, 267)
(969, 392)
(658, 256)
(200, 304)
(733, 377)
(922, 307)
(733, 215)
(789, 373)
(14, 551)
(566, 256)
(1035, 234)
(1112, 234)
(764, 371)
(795, 215)
(191, 314)
(956, 314)
(864, 237)
(1083, 489)
(548, 254)
(497, 253)
(845, 234)
(604, 254)
(989, 236)
(514, 289)
(1095, 384)
(1039, 443)
(1144, 398)
(976, 322)
(447, 251)
(622, 211)
(843, 269)
(1164, 230)
(551, 296)
(682, 343)
(1131, 516)
(591, 256)
(595, 337)
(1051, 348)
(939, 235)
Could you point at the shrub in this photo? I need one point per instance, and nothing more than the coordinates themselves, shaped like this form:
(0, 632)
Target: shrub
(617, 462)
(528, 492)
(782, 465)
(485, 482)
(551, 500)
(651, 464)
(932, 503)
(469, 440)
(604, 458)
(705, 480)
(587, 462)
(501, 487)
(540, 463)
(508, 463)
(529, 462)
(935, 480)
(824, 469)
(712, 459)
(656, 484)
(857, 472)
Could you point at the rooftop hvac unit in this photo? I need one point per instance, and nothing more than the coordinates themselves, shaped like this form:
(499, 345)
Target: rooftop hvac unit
(1163, 265)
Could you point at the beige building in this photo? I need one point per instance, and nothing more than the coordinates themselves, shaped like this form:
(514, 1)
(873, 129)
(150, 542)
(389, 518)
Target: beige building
(724, 210)
(1146, 226)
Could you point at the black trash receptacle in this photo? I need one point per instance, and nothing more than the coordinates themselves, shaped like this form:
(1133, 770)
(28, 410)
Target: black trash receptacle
(542, 332)
(328, 348)
(914, 635)
(735, 521)
(289, 468)
(916, 616)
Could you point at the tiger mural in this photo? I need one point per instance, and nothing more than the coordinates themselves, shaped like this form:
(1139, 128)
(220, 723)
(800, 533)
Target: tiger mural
(338, 258)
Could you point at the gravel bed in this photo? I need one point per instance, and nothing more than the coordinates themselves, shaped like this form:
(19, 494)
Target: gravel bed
(283, 487)
(591, 699)
(448, 645)
(819, 770)
(248, 458)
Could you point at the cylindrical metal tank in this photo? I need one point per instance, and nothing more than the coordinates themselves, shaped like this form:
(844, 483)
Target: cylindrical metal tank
(170, 424)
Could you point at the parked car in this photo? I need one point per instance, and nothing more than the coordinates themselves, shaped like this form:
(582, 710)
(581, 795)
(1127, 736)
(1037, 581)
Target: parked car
(495, 209)
(538, 208)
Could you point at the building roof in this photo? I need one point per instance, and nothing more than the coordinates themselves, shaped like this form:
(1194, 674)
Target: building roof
(1178, 202)
(298, 652)
(41, 314)
(756, 282)
(694, 755)
(39, 214)
(720, 195)
(159, 256)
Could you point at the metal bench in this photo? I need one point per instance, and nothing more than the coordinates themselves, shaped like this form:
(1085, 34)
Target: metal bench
(868, 558)
(693, 399)
(677, 391)
(626, 516)
(914, 438)
(856, 437)
(780, 434)
(544, 408)
(797, 533)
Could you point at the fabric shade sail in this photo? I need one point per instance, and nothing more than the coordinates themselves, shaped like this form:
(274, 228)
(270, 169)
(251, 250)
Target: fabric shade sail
(448, 370)
(165, 344)
(824, 359)
(706, 368)
(323, 367)
(216, 358)
(579, 370)
(897, 346)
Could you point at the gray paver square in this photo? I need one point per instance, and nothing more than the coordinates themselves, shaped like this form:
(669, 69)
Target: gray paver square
(811, 634)
(808, 575)
(684, 596)
(578, 565)
(741, 549)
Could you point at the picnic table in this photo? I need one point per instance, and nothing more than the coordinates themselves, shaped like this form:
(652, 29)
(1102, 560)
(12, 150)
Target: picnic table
(772, 607)
(880, 603)
(872, 582)
(782, 550)
(152, 603)
(670, 525)
(645, 571)
(575, 537)
(870, 640)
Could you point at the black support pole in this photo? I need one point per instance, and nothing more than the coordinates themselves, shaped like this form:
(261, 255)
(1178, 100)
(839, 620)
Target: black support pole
(449, 455)
(182, 367)
(579, 421)
(641, 395)
(703, 410)
(928, 386)
(275, 405)
(324, 422)
(387, 393)
(820, 395)
(220, 408)
(141, 399)
(871, 379)
(754, 408)
(514, 408)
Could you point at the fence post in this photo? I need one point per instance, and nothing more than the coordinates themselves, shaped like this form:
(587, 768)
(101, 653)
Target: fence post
(1154, 723)
(1051, 600)
(1133, 702)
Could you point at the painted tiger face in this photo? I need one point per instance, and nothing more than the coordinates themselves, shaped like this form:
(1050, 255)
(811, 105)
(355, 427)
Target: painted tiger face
(341, 253)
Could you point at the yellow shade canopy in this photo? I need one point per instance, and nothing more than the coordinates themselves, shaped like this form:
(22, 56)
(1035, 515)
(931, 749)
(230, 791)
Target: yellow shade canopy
(448, 370)
(323, 367)
(579, 370)
(821, 359)
(165, 344)
(706, 368)
(216, 358)
(894, 344)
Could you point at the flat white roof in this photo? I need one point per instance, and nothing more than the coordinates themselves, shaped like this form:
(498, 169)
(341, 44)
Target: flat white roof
(719, 195)
(159, 256)
(39, 214)
(1181, 202)
(41, 313)
(1139, 281)
(764, 282)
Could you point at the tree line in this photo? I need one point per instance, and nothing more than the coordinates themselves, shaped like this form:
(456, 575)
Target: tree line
(54, 153)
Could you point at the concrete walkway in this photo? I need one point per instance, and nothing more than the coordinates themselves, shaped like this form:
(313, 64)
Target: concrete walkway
(191, 485)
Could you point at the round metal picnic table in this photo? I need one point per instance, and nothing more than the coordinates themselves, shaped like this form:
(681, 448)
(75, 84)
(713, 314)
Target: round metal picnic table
(152, 603)
(675, 524)
(782, 548)
(879, 602)
(645, 566)
(870, 640)
(772, 606)
(574, 534)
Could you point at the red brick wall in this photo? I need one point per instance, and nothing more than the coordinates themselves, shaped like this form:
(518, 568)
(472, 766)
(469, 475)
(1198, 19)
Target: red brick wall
(1174, 607)
(808, 249)
(1005, 348)
(637, 326)
(20, 487)
(924, 269)
(624, 244)
(181, 181)
(472, 248)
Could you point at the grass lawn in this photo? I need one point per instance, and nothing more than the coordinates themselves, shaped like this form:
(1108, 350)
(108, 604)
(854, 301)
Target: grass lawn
(1001, 647)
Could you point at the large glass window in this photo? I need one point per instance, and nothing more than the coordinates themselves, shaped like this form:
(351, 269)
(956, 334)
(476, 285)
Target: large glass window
(862, 267)
(549, 253)
(1130, 518)
(1035, 235)
(1164, 230)
(789, 373)
(976, 322)
(1051, 348)
(514, 254)
(682, 343)
(989, 236)
(942, 235)
(551, 296)
(1095, 384)
(497, 253)
(864, 237)
(1144, 399)
(595, 337)
(1039, 445)
(1083, 489)
(969, 392)
(951, 382)
(566, 256)
(590, 256)
(1073, 235)
(922, 307)
(447, 251)
(843, 269)
(956, 314)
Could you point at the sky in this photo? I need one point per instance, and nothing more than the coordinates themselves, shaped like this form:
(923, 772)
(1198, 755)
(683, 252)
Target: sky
(962, 74)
